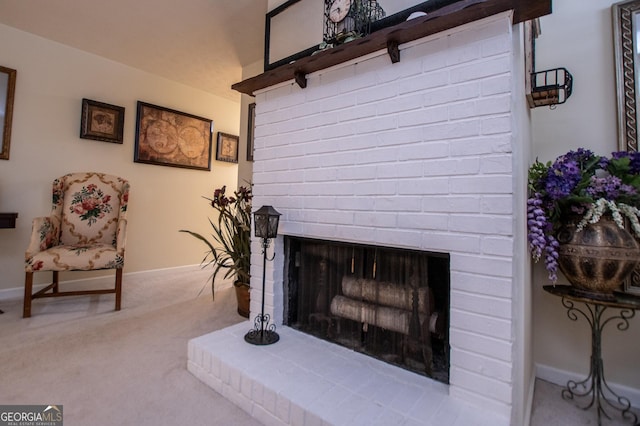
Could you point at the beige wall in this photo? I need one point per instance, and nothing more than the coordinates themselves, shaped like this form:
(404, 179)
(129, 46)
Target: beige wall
(578, 36)
(52, 79)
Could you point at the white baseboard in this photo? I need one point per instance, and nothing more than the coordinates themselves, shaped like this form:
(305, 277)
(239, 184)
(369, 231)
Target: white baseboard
(561, 377)
(18, 292)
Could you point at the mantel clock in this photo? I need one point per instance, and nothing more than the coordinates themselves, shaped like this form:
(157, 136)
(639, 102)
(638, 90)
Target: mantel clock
(348, 19)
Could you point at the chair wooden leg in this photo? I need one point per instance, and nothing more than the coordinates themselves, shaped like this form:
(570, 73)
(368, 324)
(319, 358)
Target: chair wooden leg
(55, 281)
(28, 291)
(118, 287)
(28, 288)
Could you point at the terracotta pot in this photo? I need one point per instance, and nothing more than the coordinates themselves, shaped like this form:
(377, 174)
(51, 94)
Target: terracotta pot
(598, 258)
(243, 298)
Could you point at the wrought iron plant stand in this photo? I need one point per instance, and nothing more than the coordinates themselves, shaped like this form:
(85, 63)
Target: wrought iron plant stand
(594, 388)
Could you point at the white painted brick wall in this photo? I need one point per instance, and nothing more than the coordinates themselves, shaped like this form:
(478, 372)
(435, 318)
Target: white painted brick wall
(416, 154)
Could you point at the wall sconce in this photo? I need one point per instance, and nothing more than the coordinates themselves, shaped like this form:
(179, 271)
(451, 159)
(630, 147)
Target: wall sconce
(551, 87)
(265, 221)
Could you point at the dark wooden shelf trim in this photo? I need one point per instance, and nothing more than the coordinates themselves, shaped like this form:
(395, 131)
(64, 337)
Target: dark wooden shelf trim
(447, 17)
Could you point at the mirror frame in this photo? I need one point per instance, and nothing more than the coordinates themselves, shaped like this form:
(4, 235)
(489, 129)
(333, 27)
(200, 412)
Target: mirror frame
(268, 65)
(8, 113)
(623, 15)
(624, 47)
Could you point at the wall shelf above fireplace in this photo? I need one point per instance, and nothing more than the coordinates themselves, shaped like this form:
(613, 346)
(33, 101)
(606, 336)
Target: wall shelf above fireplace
(404, 32)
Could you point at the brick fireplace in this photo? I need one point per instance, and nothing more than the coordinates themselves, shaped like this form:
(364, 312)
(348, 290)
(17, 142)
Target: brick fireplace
(425, 154)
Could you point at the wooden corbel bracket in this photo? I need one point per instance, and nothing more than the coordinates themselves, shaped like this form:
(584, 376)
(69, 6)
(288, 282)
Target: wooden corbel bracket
(393, 51)
(301, 79)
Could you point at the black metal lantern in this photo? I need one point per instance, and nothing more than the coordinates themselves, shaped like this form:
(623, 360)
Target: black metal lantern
(265, 220)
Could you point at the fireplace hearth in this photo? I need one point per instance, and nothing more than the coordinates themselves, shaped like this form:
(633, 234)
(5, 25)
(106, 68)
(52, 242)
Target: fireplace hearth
(387, 303)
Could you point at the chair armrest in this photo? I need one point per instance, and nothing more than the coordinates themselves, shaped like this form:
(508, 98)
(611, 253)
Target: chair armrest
(121, 231)
(45, 233)
(121, 236)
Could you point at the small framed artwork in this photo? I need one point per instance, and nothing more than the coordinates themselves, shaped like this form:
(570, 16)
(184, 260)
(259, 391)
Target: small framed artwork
(167, 137)
(250, 130)
(227, 148)
(101, 122)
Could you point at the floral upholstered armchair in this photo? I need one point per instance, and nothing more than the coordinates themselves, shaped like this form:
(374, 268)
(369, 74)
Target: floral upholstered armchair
(85, 231)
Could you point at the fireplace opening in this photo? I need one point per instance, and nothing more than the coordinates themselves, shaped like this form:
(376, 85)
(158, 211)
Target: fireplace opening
(388, 303)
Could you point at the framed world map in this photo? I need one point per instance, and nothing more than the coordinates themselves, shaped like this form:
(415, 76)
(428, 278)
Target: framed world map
(168, 137)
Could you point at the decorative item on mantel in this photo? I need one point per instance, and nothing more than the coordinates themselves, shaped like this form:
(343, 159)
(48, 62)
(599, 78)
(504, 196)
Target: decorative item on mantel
(231, 245)
(346, 20)
(266, 227)
(579, 209)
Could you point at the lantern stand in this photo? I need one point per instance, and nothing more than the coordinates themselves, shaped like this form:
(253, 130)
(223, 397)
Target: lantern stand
(266, 220)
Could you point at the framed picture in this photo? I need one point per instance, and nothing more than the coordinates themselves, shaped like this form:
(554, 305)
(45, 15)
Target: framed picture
(101, 122)
(7, 93)
(227, 148)
(167, 137)
(250, 130)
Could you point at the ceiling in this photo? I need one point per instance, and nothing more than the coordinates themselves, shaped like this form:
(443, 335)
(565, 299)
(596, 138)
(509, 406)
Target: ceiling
(200, 43)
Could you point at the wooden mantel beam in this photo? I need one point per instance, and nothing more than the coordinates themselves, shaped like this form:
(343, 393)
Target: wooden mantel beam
(451, 16)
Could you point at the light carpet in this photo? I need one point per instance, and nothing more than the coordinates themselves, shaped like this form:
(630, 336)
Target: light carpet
(118, 368)
(129, 367)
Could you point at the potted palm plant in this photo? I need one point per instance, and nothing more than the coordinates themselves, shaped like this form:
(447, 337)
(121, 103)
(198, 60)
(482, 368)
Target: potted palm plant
(230, 246)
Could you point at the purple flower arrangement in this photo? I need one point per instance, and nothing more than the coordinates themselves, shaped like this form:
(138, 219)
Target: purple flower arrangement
(584, 184)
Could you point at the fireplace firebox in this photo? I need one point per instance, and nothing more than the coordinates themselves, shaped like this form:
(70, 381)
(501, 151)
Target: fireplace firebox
(388, 303)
